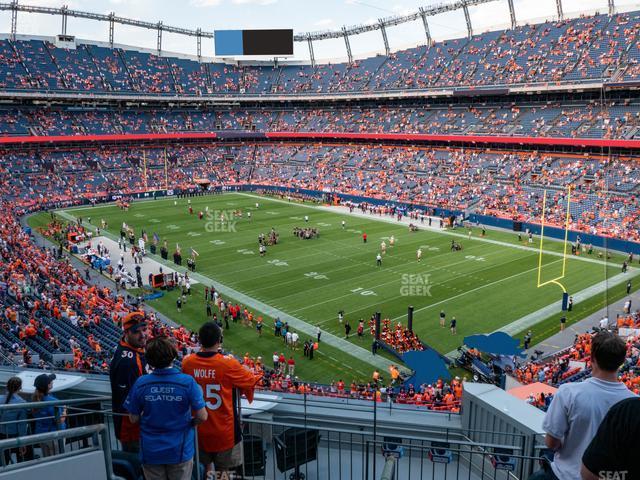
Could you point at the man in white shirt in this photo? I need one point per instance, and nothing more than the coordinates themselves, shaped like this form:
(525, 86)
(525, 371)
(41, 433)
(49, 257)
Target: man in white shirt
(288, 338)
(294, 340)
(577, 409)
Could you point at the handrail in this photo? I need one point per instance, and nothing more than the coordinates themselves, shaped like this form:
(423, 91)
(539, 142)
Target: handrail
(60, 436)
(53, 403)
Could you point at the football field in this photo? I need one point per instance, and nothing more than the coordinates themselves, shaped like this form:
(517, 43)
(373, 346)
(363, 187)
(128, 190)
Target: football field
(491, 283)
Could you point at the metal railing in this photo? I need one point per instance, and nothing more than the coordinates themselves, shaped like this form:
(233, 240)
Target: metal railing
(65, 443)
(320, 438)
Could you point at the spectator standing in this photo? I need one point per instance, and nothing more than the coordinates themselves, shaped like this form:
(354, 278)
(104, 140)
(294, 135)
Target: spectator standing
(128, 363)
(291, 364)
(163, 402)
(13, 422)
(578, 408)
(47, 419)
(221, 377)
(615, 447)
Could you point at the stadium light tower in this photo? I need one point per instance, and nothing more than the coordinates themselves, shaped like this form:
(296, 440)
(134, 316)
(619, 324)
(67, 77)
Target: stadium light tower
(559, 7)
(465, 8)
(312, 57)
(199, 44)
(14, 19)
(112, 22)
(423, 14)
(347, 44)
(159, 37)
(512, 14)
(612, 7)
(383, 30)
(65, 16)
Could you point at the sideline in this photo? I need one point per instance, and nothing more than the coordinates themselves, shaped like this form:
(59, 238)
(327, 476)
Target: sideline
(300, 325)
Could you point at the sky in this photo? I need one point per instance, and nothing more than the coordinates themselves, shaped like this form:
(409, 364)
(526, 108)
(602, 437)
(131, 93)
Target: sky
(301, 15)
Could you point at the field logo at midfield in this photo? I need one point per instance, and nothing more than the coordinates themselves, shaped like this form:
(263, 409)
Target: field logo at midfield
(220, 221)
(316, 276)
(415, 285)
(278, 263)
(362, 291)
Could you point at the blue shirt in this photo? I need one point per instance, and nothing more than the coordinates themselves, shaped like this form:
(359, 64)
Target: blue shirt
(45, 421)
(164, 400)
(18, 429)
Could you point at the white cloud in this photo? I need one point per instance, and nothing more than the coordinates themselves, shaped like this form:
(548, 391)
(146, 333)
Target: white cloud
(254, 2)
(204, 3)
(402, 10)
(325, 22)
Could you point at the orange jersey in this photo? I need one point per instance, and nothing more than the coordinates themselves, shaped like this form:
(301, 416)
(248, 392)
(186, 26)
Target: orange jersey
(219, 376)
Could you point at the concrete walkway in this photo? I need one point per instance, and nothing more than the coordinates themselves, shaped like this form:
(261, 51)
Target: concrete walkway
(553, 344)
(562, 340)
(94, 277)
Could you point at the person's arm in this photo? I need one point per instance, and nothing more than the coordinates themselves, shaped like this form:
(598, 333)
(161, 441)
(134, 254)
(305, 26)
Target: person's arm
(197, 403)
(588, 474)
(200, 416)
(133, 405)
(552, 442)
(243, 379)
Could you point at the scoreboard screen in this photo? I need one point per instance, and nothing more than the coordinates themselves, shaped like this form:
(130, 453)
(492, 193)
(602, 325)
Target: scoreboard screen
(254, 42)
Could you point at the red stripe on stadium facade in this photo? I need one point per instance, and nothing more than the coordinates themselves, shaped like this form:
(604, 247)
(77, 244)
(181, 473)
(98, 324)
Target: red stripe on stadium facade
(575, 142)
(106, 138)
(461, 139)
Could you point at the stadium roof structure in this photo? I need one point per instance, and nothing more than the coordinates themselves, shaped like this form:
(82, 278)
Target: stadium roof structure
(309, 37)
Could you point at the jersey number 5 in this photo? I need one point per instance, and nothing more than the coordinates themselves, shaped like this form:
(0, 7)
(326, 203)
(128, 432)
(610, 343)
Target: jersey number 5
(211, 394)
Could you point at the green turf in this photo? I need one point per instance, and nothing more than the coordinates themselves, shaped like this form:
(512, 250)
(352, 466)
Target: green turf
(328, 364)
(550, 326)
(485, 286)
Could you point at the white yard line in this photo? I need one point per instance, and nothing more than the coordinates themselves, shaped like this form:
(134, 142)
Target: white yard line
(300, 325)
(405, 221)
(475, 289)
(514, 327)
(555, 308)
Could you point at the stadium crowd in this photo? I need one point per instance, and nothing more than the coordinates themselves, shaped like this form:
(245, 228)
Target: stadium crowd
(50, 308)
(573, 364)
(610, 119)
(604, 199)
(571, 50)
